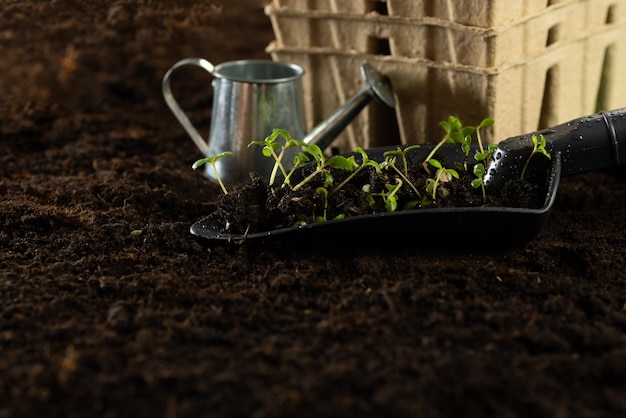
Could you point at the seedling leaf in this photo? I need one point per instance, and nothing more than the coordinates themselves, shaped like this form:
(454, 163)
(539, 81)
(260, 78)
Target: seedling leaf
(343, 163)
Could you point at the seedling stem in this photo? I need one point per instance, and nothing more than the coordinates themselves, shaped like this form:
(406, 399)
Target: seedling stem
(539, 147)
(213, 161)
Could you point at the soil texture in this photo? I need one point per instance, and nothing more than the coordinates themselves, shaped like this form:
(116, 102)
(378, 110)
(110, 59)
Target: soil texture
(109, 307)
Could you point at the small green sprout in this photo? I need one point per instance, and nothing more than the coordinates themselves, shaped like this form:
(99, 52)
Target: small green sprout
(323, 164)
(482, 158)
(402, 152)
(390, 163)
(324, 192)
(485, 123)
(466, 146)
(479, 172)
(271, 145)
(481, 154)
(485, 155)
(299, 160)
(213, 161)
(389, 197)
(357, 168)
(454, 132)
(412, 205)
(443, 175)
(539, 147)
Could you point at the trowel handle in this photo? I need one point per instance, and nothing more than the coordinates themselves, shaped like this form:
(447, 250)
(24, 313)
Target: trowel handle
(175, 107)
(589, 143)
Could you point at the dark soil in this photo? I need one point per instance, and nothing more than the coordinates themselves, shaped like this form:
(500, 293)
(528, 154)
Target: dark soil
(109, 307)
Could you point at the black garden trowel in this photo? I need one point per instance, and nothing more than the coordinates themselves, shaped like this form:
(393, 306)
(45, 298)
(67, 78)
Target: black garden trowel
(588, 143)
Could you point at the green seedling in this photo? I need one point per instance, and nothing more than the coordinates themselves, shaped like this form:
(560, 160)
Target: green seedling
(455, 132)
(358, 168)
(369, 196)
(389, 197)
(479, 172)
(323, 164)
(401, 152)
(485, 155)
(324, 192)
(414, 204)
(481, 154)
(390, 163)
(466, 146)
(482, 158)
(298, 161)
(213, 161)
(539, 147)
(443, 175)
(271, 146)
(485, 123)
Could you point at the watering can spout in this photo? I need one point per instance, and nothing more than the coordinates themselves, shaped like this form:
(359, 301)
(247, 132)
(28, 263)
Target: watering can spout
(376, 86)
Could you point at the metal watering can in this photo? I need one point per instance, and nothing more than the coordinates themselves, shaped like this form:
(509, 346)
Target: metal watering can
(252, 98)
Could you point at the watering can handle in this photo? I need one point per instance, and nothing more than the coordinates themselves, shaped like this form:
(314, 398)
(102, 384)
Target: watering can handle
(202, 145)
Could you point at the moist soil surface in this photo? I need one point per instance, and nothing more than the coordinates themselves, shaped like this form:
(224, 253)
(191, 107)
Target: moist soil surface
(110, 307)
